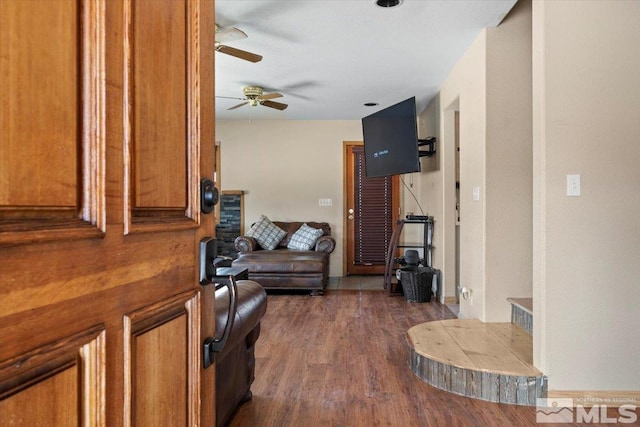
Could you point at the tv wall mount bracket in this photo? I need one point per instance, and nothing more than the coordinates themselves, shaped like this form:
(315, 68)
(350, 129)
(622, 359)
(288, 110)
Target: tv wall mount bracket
(430, 143)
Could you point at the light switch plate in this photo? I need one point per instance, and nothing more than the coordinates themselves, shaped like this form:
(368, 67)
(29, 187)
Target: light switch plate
(573, 185)
(476, 194)
(325, 202)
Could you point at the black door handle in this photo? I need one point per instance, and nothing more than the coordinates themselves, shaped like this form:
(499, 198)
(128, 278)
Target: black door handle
(212, 345)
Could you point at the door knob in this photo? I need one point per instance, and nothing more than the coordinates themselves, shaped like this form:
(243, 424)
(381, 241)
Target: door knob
(208, 195)
(350, 217)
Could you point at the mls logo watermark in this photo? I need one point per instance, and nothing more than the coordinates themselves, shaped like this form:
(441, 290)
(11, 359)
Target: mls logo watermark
(563, 410)
(554, 410)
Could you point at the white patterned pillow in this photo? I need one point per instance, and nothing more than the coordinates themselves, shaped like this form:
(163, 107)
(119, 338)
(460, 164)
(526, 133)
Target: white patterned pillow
(305, 238)
(266, 233)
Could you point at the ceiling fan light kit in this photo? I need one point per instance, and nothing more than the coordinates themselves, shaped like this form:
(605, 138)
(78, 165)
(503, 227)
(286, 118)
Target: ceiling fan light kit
(252, 92)
(254, 96)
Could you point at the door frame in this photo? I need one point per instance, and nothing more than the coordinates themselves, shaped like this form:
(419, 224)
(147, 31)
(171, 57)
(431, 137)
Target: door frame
(347, 191)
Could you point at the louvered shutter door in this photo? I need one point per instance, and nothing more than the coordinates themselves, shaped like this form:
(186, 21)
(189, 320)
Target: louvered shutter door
(373, 214)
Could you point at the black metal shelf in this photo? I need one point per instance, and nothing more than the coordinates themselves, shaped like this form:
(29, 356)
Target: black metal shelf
(391, 260)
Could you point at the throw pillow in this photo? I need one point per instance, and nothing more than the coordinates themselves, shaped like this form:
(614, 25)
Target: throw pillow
(305, 238)
(266, 233)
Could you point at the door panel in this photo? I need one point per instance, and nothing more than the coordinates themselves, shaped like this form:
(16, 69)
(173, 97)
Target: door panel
(59, 411)
(163, 84)
(31, 103)
(71, 370)
(159, 88)
(162, 391)
(51, 120)
(99, 227)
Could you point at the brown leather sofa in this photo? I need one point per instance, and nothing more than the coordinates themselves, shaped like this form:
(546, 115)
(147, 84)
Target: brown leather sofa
(283, 268)
(235, 362)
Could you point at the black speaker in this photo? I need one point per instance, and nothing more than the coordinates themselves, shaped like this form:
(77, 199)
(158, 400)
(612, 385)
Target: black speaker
(411, 257)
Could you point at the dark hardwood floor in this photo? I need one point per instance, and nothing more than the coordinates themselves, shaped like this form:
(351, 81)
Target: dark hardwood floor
(342, 360)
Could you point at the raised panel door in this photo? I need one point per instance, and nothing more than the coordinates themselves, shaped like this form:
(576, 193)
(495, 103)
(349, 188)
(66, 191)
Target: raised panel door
(101, 313)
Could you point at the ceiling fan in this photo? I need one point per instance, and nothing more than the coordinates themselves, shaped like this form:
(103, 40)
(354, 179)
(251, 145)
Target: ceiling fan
(254, 96)
(228, 34)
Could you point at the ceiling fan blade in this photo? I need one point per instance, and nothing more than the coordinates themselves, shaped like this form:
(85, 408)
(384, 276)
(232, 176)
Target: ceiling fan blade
(270, 95)
(238, 106)
(230, 97)
(247, 56)
(272, 104)
(229, 34)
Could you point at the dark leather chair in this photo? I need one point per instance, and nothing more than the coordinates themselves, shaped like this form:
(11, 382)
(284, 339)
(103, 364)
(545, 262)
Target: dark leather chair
(235, 362)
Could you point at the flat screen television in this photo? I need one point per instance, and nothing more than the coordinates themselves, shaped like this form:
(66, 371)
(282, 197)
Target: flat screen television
(391, 140)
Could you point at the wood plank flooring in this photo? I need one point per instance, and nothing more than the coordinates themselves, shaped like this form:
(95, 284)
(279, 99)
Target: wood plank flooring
(342, 360)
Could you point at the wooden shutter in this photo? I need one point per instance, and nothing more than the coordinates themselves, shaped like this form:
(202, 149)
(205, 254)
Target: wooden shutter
(373, 214)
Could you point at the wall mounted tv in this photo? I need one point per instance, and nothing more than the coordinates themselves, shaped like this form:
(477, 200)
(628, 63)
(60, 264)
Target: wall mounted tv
(391, 144)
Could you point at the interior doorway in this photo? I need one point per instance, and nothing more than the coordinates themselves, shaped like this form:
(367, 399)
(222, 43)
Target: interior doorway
(372, 208)
(453, 214)
(457, 241)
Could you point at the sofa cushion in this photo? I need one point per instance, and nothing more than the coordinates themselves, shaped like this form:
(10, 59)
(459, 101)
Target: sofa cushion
(305, 238)
(292, 226)
(282, 261)
(266, 233)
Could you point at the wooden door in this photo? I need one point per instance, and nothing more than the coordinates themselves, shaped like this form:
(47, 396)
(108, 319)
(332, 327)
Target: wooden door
(369, 225)
(106, 127)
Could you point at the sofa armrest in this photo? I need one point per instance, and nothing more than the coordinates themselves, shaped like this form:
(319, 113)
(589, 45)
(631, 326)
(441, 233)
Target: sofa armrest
(245, 244)
(325, 244)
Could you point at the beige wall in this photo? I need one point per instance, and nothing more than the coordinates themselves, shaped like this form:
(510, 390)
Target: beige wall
(491, 88)
(428, 190)
(464, 90)
(508, 173)
(285, 166)
(586, 266)
(420, 192)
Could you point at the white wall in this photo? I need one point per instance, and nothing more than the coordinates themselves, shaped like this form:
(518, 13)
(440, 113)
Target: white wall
(284, 167)
(586, 266)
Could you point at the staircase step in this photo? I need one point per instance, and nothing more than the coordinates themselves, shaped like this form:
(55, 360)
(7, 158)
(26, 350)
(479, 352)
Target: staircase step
(522, 313)
(487, 361)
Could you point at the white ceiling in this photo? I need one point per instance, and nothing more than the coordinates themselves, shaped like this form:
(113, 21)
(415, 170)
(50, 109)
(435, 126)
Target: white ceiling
(328, 57)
